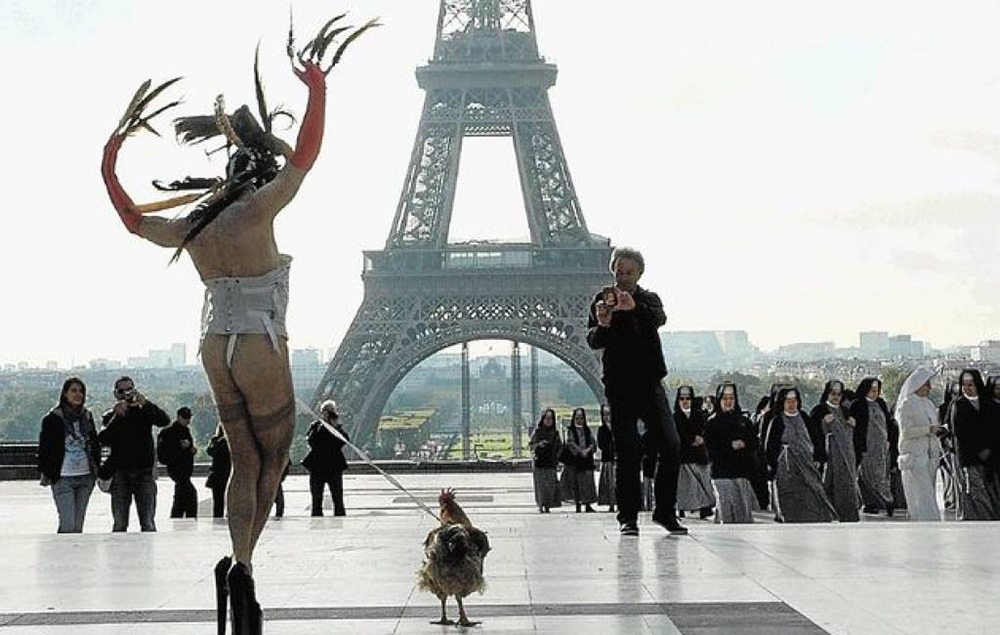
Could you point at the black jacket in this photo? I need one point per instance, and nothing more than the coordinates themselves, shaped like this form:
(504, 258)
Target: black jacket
(179, 460)
(326, 452)
(218, 449)
(130, 437)
(971, 430)
(687, 429)
(721, 430)
(52, 443)
(632, 357)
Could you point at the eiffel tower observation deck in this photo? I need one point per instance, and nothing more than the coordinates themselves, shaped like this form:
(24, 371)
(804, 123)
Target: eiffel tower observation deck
(423, 294)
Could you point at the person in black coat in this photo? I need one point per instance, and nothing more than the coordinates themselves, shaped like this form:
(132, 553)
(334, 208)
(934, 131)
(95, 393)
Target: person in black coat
(977, 449)
(69, 455)
(175, 449)
(623, 325)
(218, 474)
(876, 446)
(606, 444)
(325, 461)
(128, 431)
(694, 482)
(732, 445)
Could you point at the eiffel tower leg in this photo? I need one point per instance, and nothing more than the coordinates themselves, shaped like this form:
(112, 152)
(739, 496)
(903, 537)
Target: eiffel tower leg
(466, 402)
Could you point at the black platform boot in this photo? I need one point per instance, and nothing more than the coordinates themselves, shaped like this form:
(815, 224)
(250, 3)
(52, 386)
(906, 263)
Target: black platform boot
(246, 613)
(221, 593)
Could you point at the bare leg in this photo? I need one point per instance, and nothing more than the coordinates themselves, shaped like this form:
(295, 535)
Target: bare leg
(463, 619)
(241, 492)
(444, 612)
(264, 378)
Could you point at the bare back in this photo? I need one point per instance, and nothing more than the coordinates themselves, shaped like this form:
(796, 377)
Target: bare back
(240, 241)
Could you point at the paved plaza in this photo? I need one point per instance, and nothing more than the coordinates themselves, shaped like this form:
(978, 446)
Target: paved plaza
(557, 573)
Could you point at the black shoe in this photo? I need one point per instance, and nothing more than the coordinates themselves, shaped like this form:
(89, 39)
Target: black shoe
(221, 593)
(706, 512)
(628, 529)
(671, 525)
(246, 613)
(588, 509)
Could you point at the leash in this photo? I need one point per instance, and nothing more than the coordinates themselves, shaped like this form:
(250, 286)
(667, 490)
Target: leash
(367, 459)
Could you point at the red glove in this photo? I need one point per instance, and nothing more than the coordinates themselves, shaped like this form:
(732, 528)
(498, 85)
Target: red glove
(311, 133)
(121, 200)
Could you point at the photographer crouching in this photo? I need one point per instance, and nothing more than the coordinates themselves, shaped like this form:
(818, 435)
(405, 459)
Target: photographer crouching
(128, 431)
(623, 324)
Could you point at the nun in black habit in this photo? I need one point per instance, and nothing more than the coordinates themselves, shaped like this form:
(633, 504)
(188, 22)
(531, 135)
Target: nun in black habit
(732, 450)
(977, 449)
(798, 490)
(873, 435)
(834, 432)
(694, 482)
(949, 463)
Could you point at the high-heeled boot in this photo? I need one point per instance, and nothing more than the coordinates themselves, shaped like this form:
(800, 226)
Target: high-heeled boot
(246, 614)
(221, 593)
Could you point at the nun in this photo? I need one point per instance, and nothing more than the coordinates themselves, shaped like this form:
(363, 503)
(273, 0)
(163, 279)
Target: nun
(545, 446)
(871, 446)
(694, 482)
(799, 494)
(978, 482)
(732, 450)
(949, 464)
(836, 434)
(919, 447)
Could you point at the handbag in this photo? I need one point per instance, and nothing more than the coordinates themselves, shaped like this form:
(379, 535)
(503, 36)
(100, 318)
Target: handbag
(105, 475)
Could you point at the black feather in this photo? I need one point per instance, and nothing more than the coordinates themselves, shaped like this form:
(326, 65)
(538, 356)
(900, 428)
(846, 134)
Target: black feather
(353, 36)
(136, 98)
(189, 183)
(259, 86)
(196, 128)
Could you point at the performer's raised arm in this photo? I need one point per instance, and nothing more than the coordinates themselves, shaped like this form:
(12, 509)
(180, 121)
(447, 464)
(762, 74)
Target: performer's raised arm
(119, 198)
(311, 133)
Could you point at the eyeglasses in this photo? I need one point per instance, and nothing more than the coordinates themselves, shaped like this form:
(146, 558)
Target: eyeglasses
(122, 391)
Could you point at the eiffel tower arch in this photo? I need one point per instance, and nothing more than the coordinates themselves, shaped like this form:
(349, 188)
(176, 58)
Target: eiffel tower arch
(423, 294)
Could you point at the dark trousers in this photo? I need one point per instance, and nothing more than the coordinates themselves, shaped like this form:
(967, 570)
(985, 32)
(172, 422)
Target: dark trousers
(137, 484)
(335, 481)
(219, 501)
(650, 406)
(185, 499)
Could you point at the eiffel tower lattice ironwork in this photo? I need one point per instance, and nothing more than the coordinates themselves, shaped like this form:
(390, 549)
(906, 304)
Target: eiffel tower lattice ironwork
(423, 294)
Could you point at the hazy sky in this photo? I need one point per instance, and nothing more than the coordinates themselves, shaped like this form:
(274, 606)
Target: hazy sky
(800, 170)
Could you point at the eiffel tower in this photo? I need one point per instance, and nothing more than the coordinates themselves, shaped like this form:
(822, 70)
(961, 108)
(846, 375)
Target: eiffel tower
(424, 294)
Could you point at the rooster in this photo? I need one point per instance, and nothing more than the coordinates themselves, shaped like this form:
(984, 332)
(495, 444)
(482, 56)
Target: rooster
(453, 558)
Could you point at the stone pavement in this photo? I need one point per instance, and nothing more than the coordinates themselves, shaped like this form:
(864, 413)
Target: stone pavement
(555, 573)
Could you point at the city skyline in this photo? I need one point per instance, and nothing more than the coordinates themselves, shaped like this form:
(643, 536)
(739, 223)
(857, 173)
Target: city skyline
(168, 354)
(804, 173)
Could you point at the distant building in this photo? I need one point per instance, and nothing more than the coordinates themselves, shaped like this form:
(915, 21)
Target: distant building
(874, 343)
(987, 351)
(905, 346)
(305, 357)
(178, 355)
(51, 365)
(807, 351)
(104, 364)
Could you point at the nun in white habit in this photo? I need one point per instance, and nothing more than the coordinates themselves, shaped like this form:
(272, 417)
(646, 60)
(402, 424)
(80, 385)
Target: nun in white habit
(919, 448)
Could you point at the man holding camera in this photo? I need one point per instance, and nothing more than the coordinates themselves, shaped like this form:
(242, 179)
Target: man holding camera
(623, 323)
(128, 431)
(175, 449)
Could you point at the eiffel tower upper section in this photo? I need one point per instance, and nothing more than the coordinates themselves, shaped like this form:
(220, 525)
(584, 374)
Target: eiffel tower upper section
(486, 78)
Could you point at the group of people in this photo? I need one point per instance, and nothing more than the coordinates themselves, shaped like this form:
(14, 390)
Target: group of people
(71, 463)
(850, 454)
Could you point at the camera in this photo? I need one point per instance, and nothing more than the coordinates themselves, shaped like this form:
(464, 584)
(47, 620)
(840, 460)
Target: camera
(609, 296)
(130, 395)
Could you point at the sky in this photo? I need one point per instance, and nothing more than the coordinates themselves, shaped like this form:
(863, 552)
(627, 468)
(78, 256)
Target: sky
(800, 170)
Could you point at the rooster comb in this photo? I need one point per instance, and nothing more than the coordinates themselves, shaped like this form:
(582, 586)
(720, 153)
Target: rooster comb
(447, 496)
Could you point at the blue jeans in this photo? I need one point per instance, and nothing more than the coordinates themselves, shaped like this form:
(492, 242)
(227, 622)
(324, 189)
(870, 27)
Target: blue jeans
(129, 484)
(71, 494)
